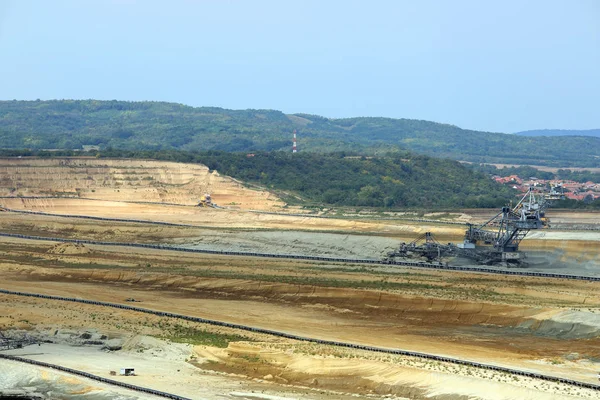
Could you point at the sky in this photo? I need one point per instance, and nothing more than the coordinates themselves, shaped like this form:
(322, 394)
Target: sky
(501, 66)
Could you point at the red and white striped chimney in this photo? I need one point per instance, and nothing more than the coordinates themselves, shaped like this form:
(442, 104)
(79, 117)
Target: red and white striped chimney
(294, 149)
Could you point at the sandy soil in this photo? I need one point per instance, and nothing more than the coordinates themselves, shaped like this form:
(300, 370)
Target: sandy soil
(127, 180)
(54, 384)
(266, 370)
(558, 217)
(287, 242)
(211, 217)
(573, 220)
(512, 321)
(158, 364)
(542, 325)
(549, 251)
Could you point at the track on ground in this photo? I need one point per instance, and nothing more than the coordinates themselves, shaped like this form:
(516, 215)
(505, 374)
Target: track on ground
(93, 377)
(377, 218)
(437, 266)
(302, 257)
(313, 340)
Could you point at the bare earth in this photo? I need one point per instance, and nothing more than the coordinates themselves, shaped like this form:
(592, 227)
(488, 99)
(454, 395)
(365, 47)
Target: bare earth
(549, 326)
(549, 169)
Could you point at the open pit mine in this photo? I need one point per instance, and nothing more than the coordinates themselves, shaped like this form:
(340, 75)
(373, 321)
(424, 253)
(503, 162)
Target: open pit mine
(138, 279)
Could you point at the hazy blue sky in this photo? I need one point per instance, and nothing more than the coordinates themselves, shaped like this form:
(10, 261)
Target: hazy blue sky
(499, 66)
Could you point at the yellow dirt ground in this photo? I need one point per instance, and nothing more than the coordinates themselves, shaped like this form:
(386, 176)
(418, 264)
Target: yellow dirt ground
(127, 180)
(512, 321)
(461, 315)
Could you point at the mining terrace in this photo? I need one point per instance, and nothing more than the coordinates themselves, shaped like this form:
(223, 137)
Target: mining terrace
(542, 325)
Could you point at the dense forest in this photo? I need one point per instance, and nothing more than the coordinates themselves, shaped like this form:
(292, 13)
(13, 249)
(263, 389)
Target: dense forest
(399, 181)
(71, 124)
(560, 132)
(391, 182)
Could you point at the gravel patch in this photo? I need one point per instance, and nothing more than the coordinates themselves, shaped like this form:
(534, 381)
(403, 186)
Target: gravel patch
(289, 242)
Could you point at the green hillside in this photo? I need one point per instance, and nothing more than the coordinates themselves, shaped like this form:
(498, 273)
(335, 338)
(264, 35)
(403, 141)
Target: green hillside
(69, 124)
(560, 132)
(403, 180)
(391, 182)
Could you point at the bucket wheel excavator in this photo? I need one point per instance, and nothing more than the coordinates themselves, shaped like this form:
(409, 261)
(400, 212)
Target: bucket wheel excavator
(494, 242)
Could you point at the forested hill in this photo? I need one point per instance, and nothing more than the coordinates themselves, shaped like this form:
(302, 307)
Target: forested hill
(560, 132)
(391, 182)
(70, 124)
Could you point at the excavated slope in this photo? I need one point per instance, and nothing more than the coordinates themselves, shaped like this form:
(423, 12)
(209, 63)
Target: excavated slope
(126, 180)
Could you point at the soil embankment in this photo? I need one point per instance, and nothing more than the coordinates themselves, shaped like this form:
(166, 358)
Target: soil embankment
(514, 321)
(126, 180)
(535, 324)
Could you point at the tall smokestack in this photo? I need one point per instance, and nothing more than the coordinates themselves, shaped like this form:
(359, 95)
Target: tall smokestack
(294, 149)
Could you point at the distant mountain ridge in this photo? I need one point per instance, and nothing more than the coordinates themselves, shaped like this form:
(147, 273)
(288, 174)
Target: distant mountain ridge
(70, 124)
(560, 132)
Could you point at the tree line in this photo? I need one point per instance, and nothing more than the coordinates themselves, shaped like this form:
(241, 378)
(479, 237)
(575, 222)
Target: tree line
(403, 180)
(71, 124)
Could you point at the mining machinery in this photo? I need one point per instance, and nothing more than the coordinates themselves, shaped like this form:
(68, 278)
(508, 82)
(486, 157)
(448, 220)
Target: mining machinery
(494, 242)
(205, 201)
(557, 192)
(512, 225)
(423, 246)
(8, 343)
